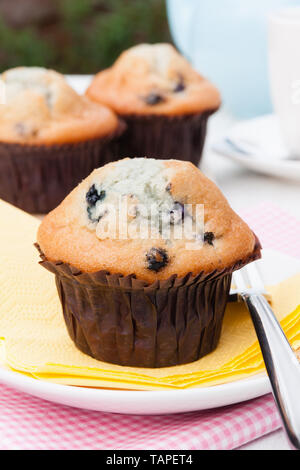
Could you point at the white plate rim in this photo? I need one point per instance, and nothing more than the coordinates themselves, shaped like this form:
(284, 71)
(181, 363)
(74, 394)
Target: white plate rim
(277, 167)
(134, 402)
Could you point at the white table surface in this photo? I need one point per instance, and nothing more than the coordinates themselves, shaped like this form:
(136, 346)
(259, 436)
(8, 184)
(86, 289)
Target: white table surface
(244, 188)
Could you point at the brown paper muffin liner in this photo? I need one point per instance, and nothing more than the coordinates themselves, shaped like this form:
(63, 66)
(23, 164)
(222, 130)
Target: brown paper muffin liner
(165, 137)
(36, 178)
(125, 321)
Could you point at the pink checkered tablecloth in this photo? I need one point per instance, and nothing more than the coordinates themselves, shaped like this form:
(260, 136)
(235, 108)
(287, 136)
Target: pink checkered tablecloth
(30, 423)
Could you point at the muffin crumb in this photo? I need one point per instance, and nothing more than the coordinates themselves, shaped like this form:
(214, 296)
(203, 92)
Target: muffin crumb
(177, 213)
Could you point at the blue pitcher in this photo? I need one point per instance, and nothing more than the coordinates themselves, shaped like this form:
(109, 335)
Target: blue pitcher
(226, 40)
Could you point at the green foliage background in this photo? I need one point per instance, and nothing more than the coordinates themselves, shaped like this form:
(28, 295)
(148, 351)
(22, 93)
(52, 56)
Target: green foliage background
(88, 35)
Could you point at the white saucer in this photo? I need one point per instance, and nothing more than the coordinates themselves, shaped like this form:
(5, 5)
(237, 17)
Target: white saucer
(257, 144)
(275, 267)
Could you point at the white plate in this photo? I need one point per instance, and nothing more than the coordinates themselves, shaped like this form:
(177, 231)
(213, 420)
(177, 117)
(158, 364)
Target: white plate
(274, 266)
(257, 144)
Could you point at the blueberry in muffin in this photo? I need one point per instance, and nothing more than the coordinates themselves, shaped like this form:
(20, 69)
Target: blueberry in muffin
(157, 259)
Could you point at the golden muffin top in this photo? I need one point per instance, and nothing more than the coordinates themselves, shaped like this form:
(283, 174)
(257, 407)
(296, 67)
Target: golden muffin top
(151, 218)
(41, 108)
(154, 79)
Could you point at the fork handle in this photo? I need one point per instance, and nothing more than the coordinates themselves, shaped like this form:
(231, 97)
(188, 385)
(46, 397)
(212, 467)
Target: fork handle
(281, 364)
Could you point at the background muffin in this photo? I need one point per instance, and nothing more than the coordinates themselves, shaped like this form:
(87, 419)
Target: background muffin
(164, 101)
(151, 301)
(50, 138)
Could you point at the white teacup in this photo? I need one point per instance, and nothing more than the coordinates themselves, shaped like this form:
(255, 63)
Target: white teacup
(284, 64)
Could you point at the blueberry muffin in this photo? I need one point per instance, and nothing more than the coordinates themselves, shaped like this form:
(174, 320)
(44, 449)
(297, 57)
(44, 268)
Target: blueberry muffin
(50, 138)
(143, 251)
(164, 101)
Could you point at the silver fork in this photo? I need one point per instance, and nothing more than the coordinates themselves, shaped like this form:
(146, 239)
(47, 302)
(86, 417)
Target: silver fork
(281, 363)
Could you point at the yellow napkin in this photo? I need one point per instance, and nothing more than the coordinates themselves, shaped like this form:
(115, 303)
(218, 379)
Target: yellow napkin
(34, 340)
